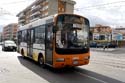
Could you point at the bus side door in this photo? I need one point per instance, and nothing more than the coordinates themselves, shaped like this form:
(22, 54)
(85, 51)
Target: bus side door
(30, 36)
(48, 43)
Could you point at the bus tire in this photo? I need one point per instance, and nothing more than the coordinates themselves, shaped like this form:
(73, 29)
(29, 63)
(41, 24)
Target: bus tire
(22, 53)
(2, 49)
(14, 50)
(41, 61)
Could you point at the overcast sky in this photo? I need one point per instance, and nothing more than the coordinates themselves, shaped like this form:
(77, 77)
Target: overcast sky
(106, 12)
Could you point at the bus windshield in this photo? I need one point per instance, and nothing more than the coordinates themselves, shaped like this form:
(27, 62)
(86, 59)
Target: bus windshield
(73, 32)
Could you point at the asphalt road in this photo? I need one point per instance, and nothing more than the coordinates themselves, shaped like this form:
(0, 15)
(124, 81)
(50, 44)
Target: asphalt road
(15, 69)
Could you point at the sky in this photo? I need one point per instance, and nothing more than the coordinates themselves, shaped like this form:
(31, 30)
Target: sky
(105, 12)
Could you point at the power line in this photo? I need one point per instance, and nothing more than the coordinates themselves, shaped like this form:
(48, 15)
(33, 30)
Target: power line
(4, 12)
(111, 7)
(15, 2)
(99, 5)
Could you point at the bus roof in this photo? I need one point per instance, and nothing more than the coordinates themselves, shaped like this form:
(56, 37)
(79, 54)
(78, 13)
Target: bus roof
(42, 21)
(38, 22)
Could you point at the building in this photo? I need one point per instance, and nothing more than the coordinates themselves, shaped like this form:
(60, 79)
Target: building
(43, 8)
(9, 31)
(1, 36)
(118, 36)
(101, 33)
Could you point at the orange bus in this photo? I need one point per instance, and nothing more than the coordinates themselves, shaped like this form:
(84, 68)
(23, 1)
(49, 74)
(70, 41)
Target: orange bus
(58, 41)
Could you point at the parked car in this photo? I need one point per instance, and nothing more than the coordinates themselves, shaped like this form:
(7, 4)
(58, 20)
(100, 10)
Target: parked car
(1, 43)
(93, 44)
(110, 45)
(100, 45)
(9, 45)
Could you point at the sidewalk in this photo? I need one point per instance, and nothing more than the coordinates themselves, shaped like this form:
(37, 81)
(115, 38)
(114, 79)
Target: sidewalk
(101, 49)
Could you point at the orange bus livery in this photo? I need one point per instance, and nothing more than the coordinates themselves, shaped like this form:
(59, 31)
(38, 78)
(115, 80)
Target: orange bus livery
(58, 41)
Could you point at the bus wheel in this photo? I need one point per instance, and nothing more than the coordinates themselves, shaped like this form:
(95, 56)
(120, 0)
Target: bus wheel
(41, 61)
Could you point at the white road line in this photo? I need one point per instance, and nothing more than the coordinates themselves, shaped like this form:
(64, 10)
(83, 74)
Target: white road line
(91, 77)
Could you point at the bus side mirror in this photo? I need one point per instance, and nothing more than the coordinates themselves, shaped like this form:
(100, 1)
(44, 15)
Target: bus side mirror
(54, 29)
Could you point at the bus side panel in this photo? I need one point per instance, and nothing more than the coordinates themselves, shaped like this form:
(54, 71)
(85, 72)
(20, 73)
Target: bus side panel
(36, 53)
(37, 49)
(24, 47)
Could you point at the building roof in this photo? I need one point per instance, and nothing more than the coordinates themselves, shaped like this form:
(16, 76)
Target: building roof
(27, 8)
(38, 1)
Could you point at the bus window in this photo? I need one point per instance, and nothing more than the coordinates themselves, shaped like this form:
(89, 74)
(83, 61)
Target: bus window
(19, 37)
(24, 36)
(72, 33)
(40, 34)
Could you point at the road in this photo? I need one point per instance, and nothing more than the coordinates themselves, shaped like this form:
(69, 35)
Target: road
(103, 68)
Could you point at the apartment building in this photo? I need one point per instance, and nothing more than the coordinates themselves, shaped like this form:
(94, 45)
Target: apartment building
(1, 36)
(101, 33)
(43, 8)
(9, 31)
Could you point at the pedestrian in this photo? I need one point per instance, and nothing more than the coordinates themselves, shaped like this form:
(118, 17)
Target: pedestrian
(103, 47)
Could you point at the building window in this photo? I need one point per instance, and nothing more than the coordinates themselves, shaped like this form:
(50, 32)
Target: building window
(45, 8)
(102, 37)
(46, 13)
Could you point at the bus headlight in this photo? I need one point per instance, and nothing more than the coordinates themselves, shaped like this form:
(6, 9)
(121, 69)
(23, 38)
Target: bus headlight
(60, 60)
(87, 57)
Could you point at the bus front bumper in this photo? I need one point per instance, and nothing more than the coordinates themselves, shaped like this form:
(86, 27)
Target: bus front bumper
(70, 62)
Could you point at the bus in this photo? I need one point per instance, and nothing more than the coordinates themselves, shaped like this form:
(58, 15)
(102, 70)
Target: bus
(59, 41)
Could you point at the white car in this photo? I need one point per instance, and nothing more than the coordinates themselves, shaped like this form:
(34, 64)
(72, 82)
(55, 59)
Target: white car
(9, 45)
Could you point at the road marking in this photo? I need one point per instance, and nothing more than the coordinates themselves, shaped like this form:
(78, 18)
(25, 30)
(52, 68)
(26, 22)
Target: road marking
(91, 77)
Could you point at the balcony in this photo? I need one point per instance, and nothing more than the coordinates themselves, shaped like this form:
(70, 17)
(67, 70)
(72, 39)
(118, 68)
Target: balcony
(35, 8)
(22, 15)
(36, 13)
(22, 20)
(44, 8)
(34, 19)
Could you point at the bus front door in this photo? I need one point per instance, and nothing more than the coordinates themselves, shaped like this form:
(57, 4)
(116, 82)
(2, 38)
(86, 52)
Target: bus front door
(30, 34)
(49, 48)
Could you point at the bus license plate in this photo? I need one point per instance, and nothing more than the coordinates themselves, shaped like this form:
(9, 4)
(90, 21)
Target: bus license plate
(75, 62)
